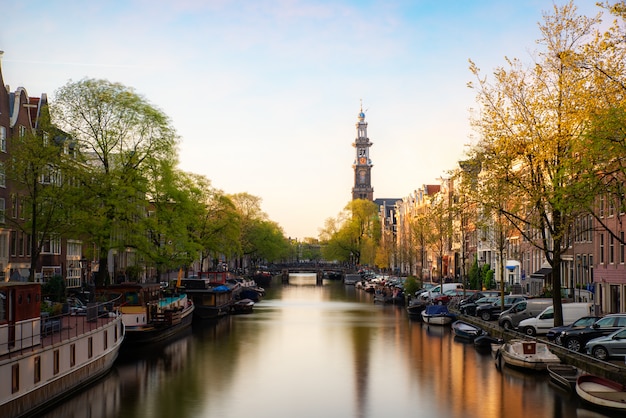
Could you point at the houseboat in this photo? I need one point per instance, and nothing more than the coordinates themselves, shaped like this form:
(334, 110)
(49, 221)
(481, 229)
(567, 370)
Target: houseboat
(45, 358)
(149, 312)
(211, 294)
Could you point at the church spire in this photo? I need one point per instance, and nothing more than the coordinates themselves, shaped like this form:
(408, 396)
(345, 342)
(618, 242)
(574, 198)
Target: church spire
(362, 164)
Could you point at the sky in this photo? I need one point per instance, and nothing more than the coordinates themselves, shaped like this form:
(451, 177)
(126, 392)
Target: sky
(265, 94)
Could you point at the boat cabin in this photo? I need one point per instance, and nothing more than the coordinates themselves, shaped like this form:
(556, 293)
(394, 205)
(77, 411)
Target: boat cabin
(20, 315)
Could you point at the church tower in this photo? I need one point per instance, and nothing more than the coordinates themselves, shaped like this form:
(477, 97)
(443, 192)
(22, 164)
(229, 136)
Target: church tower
(362, 164)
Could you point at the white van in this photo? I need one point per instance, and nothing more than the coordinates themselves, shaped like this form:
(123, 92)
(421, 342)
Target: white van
(545, 320)
(438, 290)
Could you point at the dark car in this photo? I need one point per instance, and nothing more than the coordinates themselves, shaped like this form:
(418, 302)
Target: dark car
(469, 308)
(471, 298)
(575, 339)
(554, 334)
(490, 311)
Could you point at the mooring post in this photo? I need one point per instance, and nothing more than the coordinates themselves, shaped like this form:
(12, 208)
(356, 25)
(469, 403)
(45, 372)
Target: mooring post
(320, 277)
(285, 275)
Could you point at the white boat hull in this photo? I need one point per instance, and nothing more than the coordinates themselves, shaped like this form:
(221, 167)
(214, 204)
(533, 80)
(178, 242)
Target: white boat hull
(528, 355)
(58, 378)
(436, 319)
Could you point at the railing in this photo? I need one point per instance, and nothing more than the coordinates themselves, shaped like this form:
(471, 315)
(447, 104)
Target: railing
(50, 330)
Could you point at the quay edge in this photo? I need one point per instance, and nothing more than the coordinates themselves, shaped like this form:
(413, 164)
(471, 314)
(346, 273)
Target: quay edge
(615, 371)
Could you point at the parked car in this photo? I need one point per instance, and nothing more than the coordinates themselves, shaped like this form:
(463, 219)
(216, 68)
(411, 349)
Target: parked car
(524, 309)
(449, 294)
(554, 333)
(610, 346)
(470, 308)
(478, 295)
(431, 293)
(490, 311)
(545, 320)
(575, 339)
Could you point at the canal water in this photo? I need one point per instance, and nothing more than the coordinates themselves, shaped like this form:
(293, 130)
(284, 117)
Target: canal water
(318, 351)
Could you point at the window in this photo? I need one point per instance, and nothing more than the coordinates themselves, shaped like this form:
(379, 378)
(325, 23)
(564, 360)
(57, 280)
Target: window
(14, 206)
(56, 362)
(20, 243)
(3, 176)
(611, 208)
(2, 209)
(37, 371)
(51, 246)
(13, 243)
(72, 355)
(612, 249)
(106, 340)
(15, 378)
(601, 248)
(90, 347)
(74, 248)
(3, 139)
(22, 130)
(621, 247)
(602, 206)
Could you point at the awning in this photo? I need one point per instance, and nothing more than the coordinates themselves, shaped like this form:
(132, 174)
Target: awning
(541, 273)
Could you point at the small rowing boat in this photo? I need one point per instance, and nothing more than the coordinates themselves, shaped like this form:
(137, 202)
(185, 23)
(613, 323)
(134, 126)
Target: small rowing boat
(601, 392)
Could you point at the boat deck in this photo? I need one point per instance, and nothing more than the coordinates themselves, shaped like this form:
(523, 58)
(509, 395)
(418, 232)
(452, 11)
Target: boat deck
(57, 329)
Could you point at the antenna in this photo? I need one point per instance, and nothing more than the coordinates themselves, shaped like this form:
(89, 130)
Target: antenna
(363, 111)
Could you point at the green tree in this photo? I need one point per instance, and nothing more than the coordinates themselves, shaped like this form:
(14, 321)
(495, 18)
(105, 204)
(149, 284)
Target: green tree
(218, 224)
(354, 235)
(119, 133)
(171, 219)
(260, 238)
(41, 172)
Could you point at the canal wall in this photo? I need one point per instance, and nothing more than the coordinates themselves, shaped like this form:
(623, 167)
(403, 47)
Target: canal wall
(614, 370)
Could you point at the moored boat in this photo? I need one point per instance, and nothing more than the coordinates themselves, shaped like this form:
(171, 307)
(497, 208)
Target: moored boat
(437, 315)
(564, 375)
(415, 307)
(44, 358)
(487, 344)
(263, 278)
(529, 355)
(242, 306)
(211, 295)
(601, 392)
(466, 330)
(150, 314)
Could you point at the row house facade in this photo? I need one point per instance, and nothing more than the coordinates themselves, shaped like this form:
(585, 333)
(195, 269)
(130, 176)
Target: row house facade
(20, 115)
(413, 256)
(593, 266)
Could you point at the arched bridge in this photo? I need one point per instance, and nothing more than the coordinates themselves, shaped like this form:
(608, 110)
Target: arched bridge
(323, 270)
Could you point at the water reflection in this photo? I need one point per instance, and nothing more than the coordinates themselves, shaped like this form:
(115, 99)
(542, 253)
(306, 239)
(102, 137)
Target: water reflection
(312, 351)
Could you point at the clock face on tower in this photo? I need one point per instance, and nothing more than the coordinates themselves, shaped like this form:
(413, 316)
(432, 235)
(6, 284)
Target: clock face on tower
(362, 160)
